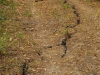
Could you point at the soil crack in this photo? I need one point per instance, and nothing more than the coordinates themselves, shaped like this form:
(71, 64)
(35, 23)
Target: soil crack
(24, 68)
(68, 36)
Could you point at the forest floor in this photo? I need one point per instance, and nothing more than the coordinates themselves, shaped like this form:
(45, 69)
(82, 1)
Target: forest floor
(58, 39)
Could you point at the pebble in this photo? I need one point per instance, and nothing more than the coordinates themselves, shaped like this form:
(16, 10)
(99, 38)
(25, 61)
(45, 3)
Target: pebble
(55, 62)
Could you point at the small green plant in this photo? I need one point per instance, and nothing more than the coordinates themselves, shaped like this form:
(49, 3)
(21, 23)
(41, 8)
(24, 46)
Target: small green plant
(4, 39)
(54, 12)
(20, 35)
(3, 15)
(9, 3)
(5, 11)
(60, 32)
(4, 2)
(28, 14)
(34, 43)
(38, 52)
(66, 32)
(67, 29)
(66, 6)
(12, 4)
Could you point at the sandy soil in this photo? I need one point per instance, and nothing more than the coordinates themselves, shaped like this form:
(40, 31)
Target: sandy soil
(51, 23)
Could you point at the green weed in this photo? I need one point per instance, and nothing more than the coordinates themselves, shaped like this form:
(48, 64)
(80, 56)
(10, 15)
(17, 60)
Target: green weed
(9, 3)
(66, 32)
(67, 29)
(3, 15)
(28, 14)
(66, 6)
(60, 32)
(6, 10)
(4, 41)
(4, 2)
(12, 4)
(34, 43)
(38, 52)
(20, 35)
(54, 12)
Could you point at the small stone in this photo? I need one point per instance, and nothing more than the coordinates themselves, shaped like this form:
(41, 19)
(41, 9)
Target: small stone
(10, 39)
(33, 70)
(55, 62)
